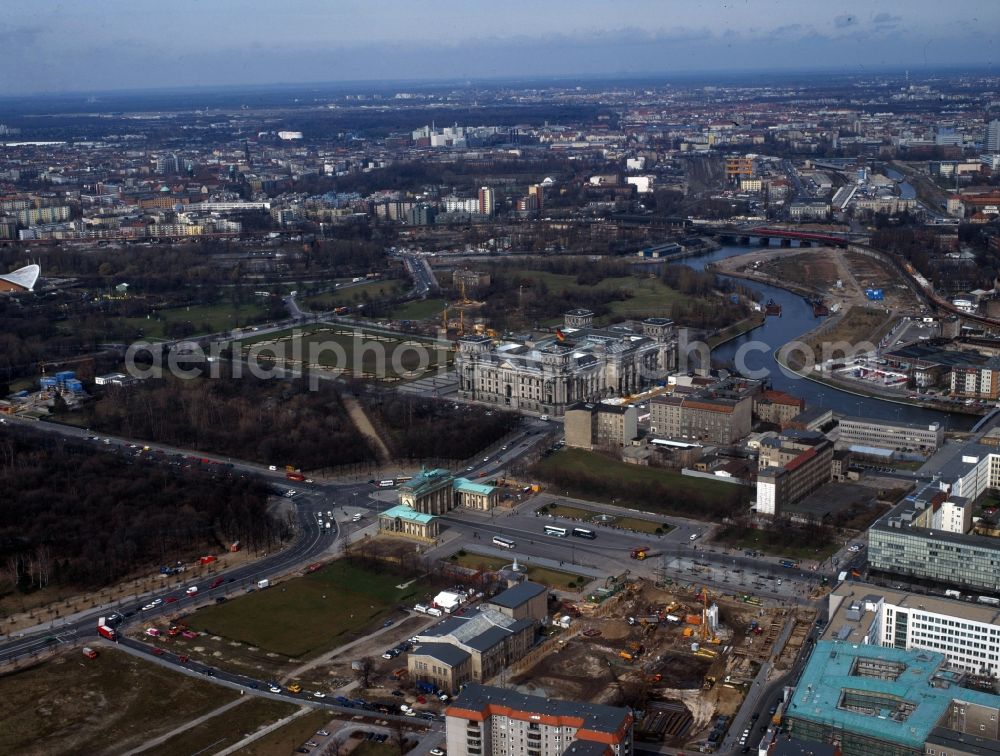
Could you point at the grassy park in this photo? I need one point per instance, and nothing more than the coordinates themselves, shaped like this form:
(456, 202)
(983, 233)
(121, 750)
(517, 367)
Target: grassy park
(204, 318)
(637, 524)
(354, 294)
(592, 476)
(300, 618)
(544, 575)
(361, 352)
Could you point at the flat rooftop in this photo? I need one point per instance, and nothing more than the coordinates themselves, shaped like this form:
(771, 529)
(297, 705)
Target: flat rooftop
(906, 693)
(850, 625)
(596, 717)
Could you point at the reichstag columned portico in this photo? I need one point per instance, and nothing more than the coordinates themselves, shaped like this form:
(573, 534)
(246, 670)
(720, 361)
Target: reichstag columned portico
(578, 363)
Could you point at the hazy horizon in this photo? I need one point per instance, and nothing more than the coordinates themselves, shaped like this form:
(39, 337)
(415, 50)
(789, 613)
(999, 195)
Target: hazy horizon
(51, 47)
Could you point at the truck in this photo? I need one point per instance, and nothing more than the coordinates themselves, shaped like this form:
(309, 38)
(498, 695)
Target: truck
(842, 576)
(640, 553)
(208, 559)
(951, 593)
(296, 476)
(105, 630)
(426, 687)
(789, 564)
(991, 600)
(265, 583)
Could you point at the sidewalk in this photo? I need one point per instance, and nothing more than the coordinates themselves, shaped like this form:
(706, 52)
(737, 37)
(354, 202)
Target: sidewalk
(161, 739)
(266, 730)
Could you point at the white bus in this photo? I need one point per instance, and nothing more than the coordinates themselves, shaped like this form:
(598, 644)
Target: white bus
(505, 543)
(555, 530)
(584, 533)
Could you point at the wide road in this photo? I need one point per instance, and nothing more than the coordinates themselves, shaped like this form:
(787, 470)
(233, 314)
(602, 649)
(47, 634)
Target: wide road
(310, 543)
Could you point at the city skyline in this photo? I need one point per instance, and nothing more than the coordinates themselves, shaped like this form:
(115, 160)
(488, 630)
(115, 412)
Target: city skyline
(53, 48)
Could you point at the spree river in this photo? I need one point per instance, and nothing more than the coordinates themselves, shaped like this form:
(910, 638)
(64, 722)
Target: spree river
(796, 319)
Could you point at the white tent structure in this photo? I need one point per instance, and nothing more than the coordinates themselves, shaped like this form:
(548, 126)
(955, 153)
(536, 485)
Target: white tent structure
(22, 279)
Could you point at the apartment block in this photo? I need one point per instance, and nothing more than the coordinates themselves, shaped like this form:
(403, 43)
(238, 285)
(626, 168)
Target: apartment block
(977, 381)
(487, 721)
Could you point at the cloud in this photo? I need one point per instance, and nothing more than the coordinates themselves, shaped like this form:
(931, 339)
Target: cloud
(844, 21)
(886, 21)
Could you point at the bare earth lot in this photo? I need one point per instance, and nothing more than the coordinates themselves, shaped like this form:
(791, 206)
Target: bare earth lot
(97, 706)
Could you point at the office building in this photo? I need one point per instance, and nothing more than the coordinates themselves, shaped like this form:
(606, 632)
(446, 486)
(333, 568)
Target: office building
(926, 536)
(719, 414)
(537, 191)
(968, 634)
(992, 136)
(777, 407)
(486, 721)
(487, 201)
(580, 363)
(601, 426)
(790, 467)
(876, 701)
(884, 434)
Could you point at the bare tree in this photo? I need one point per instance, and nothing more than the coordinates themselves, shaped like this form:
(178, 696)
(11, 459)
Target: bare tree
(363, 671)
(398, 738)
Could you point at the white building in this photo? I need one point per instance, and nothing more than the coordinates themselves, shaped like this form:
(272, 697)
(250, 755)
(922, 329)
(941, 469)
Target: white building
(968, 634)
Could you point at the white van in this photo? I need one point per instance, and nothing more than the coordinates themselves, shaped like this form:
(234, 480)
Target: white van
(422, 608)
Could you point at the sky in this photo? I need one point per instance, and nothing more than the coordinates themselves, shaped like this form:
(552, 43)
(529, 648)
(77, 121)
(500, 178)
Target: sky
(95, 45)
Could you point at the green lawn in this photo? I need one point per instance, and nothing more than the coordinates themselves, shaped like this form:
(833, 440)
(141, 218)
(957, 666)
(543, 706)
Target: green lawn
(227, 729)
(219, 317)
(95, 706)
(304, 616)
(637, 524)
(595, 477)
(544, 575)
(789, 545)
(650, 296)
(286, 739)
(419, 309)
(369, 354)
(353, 294)
(369, 748)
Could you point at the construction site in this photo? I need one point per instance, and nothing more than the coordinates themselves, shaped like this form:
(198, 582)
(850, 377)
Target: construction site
(683, 655)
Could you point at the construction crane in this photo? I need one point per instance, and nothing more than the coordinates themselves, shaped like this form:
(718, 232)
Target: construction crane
(704, 614)
(87, 360)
